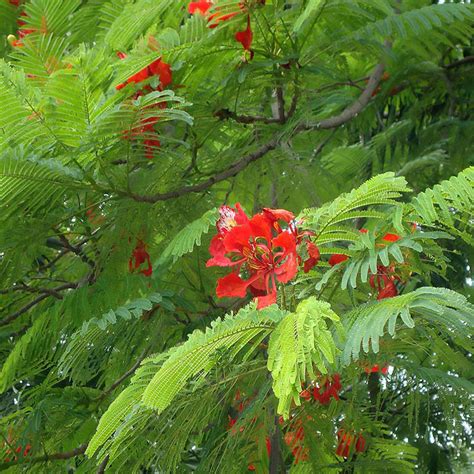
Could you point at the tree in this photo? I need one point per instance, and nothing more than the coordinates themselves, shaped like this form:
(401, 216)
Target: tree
(236, 236)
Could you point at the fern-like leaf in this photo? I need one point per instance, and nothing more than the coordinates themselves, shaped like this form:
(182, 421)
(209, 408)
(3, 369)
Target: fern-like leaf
(300, 343)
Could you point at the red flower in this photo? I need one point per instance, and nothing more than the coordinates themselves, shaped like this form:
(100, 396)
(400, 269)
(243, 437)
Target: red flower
(337, 258)
(391, 237)
(121, 55)
(268, 444)
(384, 281)
(16, 3)
(344, 445)
(156, 68)
(376, 368)
(360, 444)
(256, 248)
(314, 256)
(140, 256)
(245, 37)
(218, 17)
(251, 467)
(228, 219)
(389, 291)
(306, 394)
(199, 7)
(330, 389)
(363, 231)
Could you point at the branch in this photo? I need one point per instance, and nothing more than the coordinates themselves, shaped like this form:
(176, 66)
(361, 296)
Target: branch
(332, 122)
(354, 109)
(36, 301)
(127, 374)
(460, 62)
(76, 250)
(48, 457)
(229, 172)
(224, 114)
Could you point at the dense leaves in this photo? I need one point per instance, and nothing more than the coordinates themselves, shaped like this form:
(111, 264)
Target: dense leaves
(163, 164)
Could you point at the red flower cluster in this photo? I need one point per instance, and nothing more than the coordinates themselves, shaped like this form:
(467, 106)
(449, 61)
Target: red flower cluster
(22, 32)
(156, 68)
(294, 439)
(260, 251)
(244, 37)
(139, 257)
(384, 282)
(162, 70)
(18, 451)
(375, 369)
(346, 440)
(329, 388)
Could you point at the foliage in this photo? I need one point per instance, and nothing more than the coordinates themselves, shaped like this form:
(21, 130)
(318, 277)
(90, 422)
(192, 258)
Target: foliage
(126, 125)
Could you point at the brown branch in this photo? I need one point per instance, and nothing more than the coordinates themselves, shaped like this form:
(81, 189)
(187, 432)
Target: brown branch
(354, 109)
(36, 301)
(224, 114)
(103, 465)
(127, 374)
(48, 457)
(76, 250)
(280, 105)
(229, 172)
(460, 62)
(329, 123)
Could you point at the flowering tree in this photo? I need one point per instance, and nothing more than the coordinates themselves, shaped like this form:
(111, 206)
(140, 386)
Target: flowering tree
(236, 236)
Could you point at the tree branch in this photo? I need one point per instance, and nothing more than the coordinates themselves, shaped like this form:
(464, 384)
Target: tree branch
(36, 301)
(354, 109)
(47, 457)
(329, 123)
(127, 374)
(460, 62)
(229, 172)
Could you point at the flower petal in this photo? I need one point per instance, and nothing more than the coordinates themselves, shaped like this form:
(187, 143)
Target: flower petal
(337, 258)
(267, 300)
(245, 37)
(217, 251)
(232, 286)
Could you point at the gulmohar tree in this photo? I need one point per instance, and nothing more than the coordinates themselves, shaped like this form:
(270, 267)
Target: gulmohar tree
(236, 236)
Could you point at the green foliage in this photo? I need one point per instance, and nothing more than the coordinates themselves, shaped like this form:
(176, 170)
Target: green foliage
(449, 204)
(95, 173)
(189, 237)
(327, 220)
(234, 336)
(300, 344)
(450, 311)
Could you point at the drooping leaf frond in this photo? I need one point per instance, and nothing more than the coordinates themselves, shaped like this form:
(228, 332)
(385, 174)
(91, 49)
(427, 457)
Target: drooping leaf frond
(232, 336)
(366, 324)
(300, 344)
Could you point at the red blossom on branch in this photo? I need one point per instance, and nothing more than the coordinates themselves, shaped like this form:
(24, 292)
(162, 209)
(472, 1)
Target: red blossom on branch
(391, 237)
(384, 282)
(346, 441)
(138, 258)
(330, 388)
(261, 251)
(245, 37)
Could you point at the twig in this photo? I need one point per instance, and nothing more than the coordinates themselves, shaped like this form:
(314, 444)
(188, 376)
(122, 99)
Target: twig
(460, 62)
(48, 457)
(103, 465)
(229, 172)
(127, 374)
(33, 303)
(76, 250)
